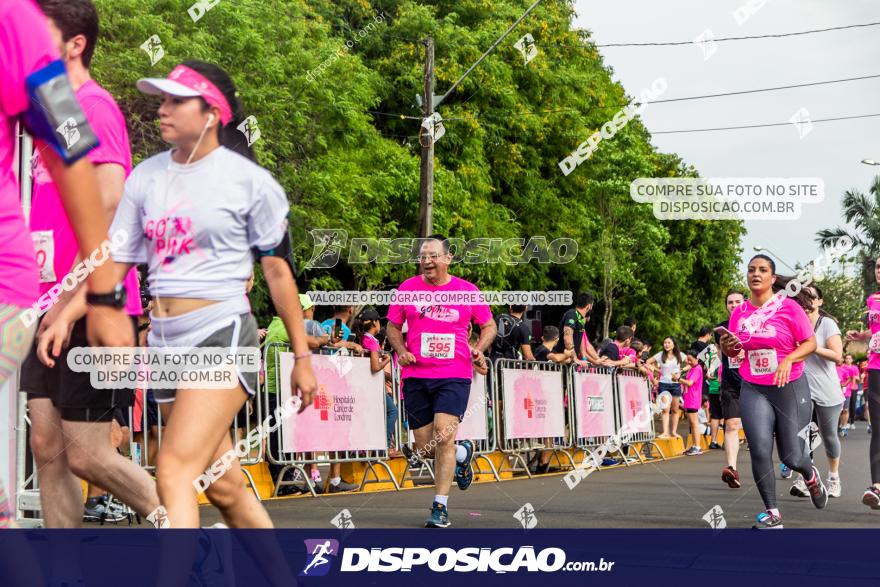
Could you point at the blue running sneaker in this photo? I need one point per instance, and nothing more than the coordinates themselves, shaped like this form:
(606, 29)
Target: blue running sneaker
(439, 516)
(767, 521)
(784, 471)
(464, 474)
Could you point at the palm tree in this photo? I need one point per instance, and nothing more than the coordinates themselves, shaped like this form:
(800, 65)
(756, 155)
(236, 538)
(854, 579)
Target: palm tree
(862, 211)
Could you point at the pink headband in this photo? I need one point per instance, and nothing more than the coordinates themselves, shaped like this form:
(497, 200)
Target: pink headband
(207, 90)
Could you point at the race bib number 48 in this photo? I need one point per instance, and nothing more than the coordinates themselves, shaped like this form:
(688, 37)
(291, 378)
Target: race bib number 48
(762, 362)
(438, 346)
(44, 246)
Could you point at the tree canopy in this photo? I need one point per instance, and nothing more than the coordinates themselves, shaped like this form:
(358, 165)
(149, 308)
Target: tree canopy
(339, 130)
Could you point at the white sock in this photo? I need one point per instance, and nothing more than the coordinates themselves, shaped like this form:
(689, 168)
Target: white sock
(441, 499)
(334, 481)
(833, 476)
(775, 512)
(460, 453)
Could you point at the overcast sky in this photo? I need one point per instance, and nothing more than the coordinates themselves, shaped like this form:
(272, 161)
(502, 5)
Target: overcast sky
(831, 151)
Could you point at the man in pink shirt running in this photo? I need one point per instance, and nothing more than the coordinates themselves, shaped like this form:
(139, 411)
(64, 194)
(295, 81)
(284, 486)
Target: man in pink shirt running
(28, 84)
(71, 420)
(437, 364)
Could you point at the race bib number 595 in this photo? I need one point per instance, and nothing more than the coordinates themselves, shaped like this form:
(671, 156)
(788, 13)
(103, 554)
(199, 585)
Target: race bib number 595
(438, 346)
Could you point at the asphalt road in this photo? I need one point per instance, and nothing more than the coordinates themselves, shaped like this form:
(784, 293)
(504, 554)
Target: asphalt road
(672, 494)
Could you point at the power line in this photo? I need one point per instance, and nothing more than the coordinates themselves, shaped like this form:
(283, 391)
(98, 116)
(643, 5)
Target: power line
(669, 132)
(748, 38)
(773, 89)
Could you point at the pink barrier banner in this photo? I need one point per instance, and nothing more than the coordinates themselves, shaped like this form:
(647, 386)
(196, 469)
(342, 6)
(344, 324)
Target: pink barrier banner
(532, 403)
(634, 397)
(348, 412)
(473, 426)
(594, 401)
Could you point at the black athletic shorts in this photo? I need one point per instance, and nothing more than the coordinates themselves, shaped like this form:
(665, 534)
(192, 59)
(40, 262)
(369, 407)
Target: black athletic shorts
(71, 392)
(729, 400)
(715, 411)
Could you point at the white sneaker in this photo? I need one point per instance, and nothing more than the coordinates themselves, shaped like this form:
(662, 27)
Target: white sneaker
(833, 487)
(799, 488)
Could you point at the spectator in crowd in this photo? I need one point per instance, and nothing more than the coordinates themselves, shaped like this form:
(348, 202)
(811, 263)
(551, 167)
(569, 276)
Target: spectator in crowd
(703, 339)
(315, 335)
(637, 347)
(544, 351)
(705, 428)
(669, 364)
(848, 375)
(693, 399)
(574, 335)
(712, 365)
(366, 327)
(337, 326)
(514, 337)
(613, 349)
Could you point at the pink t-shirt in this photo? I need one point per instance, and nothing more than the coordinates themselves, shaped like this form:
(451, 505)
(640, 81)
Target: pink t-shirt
(25, 47)
(370, 343)
(437, 334)
(693, 395)
(54, 237)
(629, 352)
(773, 337)
(874, 324)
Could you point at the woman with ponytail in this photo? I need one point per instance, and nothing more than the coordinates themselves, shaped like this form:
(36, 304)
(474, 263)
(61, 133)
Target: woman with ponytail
(199, 215)
(775, 332)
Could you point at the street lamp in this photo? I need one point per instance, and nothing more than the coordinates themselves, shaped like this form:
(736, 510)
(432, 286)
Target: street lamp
(870, 162)
(759, 248)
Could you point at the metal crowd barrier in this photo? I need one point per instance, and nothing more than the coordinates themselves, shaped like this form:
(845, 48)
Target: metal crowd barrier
(514, 448)
(298, 460)
(482, 447)
(646, 441)
(590, 442)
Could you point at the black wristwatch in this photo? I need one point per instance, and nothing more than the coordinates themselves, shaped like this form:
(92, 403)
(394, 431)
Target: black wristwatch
(115, 299)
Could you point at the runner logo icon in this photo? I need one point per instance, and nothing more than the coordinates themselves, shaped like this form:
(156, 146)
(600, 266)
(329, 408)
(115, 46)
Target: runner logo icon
(320, 554)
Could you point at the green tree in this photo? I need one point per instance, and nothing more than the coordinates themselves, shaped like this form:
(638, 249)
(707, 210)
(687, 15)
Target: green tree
(339, 130)
(862, 211)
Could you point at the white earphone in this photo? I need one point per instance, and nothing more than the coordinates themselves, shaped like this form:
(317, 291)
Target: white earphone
(210, 120)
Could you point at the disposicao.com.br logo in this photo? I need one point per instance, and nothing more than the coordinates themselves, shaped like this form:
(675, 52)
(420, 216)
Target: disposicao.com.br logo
(442, 560)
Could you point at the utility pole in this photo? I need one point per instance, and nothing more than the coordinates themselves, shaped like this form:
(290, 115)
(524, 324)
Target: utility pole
(426, 180)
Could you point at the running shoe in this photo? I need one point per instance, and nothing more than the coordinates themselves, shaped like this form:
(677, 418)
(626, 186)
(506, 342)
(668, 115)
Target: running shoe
(871, 498)
(464, 474)
(343, 487)
(869, 428)
(693, 451)
(833, 486)
(410, 455)
(609, 462)
(767, 521)
(818, 493)
(799, 488)
(845, 432)
(714, 446)
(439, 516)
(730, 476)
(98, 512)
(784, 471)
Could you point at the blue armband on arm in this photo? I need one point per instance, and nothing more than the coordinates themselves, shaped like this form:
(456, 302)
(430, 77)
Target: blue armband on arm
(284, 250)
(55, 115)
